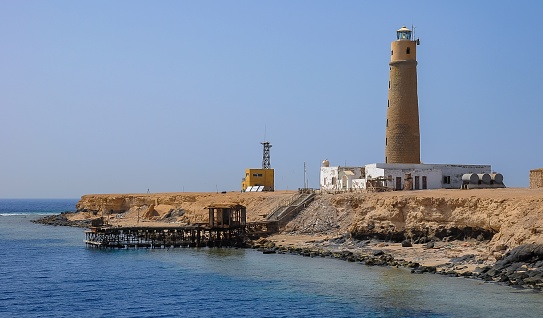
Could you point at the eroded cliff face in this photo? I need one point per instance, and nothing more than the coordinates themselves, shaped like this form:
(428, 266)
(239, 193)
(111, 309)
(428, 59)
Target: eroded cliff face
(506, 216)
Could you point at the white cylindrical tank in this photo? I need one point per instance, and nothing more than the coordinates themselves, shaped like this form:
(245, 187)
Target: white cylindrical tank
(326, 163)
(497, 177)
(472, 178)
(484, 178)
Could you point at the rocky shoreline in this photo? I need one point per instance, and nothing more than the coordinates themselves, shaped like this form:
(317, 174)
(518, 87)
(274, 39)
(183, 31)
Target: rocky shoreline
(62, 220)
(522, 267)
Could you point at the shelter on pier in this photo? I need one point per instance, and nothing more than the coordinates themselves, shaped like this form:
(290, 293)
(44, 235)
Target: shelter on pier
(227, 216)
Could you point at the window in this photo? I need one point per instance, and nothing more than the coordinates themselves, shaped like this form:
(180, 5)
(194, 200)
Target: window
(386, 139)
(408, 50)
(388, 103)
(388, 84)
(391, 52)
(257, 174)
(446, 179)
(387, 126)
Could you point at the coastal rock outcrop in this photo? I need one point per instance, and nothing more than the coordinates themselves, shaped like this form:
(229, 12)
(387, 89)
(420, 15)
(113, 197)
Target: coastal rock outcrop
(62, 219)
(505, 217)
(521, 266)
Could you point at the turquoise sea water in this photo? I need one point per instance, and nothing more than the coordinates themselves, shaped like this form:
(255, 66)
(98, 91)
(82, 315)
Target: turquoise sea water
(47, 271)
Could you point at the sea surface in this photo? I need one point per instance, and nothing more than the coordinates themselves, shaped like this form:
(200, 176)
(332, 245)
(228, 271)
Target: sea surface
(47, 271)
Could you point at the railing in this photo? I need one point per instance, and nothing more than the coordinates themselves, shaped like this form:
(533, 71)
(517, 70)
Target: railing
(298, 203)
(282, 205)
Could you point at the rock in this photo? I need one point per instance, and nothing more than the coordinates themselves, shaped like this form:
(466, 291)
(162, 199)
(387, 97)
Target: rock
(480, 270)
(378, 252)
(498, 256)
(424, 269)
(499, 248)
(430, 245)
(62, 220)
(413, 265)
(462, 259)
(525, 253)
(406, 243)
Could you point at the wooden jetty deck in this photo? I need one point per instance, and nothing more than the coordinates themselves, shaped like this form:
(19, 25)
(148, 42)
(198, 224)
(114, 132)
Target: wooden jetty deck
(226, 227)
(164, 237)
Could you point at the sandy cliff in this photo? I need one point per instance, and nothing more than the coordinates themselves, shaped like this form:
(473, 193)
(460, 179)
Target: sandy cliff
(172, 208)
(508, 216)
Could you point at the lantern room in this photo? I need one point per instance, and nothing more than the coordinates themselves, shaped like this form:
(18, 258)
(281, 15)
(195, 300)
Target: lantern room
(403, 34)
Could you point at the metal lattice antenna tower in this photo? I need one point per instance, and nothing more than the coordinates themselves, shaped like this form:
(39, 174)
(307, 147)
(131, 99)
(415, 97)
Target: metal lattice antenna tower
(266, 155)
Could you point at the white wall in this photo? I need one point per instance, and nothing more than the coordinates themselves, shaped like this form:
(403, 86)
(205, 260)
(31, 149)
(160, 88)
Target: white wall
(358, 184)
(332, 178)
(346, 175)
(329, 178)
(456, 172)
(434, 173)
(393, 171)
(339, 178)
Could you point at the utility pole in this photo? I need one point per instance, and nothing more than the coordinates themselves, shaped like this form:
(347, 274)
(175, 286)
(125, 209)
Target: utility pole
(305, 178)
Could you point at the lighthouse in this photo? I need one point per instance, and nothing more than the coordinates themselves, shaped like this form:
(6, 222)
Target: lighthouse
(402, 143)
(402, 169)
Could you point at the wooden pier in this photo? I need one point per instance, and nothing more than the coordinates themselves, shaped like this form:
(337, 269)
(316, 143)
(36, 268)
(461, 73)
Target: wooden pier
(164, 237)
(226, 227)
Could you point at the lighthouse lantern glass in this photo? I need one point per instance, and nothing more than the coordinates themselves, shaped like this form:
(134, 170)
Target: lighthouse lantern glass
(404, 35)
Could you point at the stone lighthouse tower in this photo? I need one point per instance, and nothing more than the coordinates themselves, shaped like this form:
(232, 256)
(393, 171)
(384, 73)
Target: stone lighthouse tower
(402, 144)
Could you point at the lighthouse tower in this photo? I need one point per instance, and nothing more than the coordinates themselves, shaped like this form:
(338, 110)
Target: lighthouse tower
(402, 143)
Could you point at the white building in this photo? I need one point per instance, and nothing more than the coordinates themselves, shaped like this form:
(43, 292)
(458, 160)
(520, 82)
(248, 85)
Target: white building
(340, 178)
(397, 176)
(423, 176)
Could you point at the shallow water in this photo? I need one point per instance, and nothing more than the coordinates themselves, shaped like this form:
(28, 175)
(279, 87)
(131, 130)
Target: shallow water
(48, 271)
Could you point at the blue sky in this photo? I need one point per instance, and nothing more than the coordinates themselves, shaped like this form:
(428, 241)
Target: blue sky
(125, 96)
